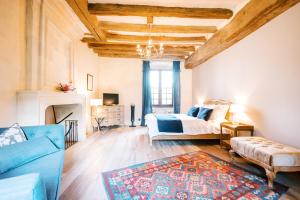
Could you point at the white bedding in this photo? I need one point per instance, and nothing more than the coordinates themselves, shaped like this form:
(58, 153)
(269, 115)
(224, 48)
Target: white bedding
(190, 125)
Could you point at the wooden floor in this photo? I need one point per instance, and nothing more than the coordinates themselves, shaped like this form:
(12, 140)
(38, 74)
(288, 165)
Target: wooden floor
(121, 147)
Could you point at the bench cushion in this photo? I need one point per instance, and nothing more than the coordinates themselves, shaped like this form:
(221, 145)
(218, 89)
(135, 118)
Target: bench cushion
(266, 151)
(25, 187)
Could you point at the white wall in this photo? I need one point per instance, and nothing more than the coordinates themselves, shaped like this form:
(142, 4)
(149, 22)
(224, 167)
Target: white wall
(12, 57)
(262, 72)
(124, 76)
(186, 88)
(63, 56)
(86, 62)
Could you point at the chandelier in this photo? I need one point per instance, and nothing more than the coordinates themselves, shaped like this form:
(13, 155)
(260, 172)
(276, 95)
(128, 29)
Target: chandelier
(150, 50)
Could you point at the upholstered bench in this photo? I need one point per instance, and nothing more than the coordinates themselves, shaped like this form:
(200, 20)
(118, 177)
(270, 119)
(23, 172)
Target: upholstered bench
(272, 156)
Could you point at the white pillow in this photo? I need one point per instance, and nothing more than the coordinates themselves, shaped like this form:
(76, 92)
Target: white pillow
(219, 112)
(12, 135)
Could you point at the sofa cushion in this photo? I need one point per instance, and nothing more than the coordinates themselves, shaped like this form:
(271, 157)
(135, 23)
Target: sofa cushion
(15, 155)
(29, 187)
(266, 151)
(12, 135)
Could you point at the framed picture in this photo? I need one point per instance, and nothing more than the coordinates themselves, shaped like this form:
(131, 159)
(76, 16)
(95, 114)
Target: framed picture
(90, 82)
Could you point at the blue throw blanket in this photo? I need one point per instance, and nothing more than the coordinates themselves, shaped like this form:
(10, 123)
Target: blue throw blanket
(169, 123)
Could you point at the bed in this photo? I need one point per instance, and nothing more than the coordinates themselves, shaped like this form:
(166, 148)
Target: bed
(192, 128)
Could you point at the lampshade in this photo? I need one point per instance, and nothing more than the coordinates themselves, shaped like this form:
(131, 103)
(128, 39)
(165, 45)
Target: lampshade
(236, 108)
(236, 111)
(96, 102)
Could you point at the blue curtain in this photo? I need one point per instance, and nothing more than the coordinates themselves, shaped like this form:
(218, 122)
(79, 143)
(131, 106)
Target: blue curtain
(147, 101)
(176, 86)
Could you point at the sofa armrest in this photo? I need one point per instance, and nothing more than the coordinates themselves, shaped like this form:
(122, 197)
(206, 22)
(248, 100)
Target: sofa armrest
(29, 186)
(54, 132)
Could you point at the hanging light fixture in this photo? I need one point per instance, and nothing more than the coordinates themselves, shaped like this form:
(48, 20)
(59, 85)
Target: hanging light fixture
(150, 50)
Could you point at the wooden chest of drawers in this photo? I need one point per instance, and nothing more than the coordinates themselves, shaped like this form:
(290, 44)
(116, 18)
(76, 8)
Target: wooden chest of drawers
(113, 115)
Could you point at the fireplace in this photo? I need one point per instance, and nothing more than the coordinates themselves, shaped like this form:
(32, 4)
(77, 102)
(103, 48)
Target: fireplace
(67, 115)
(41, 107)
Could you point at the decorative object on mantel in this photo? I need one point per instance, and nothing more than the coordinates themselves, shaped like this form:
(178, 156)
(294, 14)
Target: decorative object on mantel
(196, 175)
(66, 87)
(90, 82)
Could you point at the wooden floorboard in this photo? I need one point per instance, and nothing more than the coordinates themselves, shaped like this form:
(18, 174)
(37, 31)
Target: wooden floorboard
(121, 147)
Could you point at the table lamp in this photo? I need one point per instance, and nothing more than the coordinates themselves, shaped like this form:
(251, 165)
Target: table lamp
(94, 104)
(236, 111)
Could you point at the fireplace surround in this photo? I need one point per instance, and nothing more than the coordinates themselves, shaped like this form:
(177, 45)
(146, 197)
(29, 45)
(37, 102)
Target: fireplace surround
(32, 108)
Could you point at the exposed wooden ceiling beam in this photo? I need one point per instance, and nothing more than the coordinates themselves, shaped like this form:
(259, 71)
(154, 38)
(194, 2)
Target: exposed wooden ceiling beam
(174, 43)
(128, 27)
(126, 51)
(150, 20)
(133, 47)
(114, 55)
(135, 38)
(80, 7)
(255, 14)
(121, 55)
(168, 53)
(116, 38)
(158, 11)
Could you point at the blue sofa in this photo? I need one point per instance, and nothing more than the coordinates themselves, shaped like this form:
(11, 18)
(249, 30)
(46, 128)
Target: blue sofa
(32, 169)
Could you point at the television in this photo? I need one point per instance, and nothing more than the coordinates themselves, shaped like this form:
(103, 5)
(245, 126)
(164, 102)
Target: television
(110, 99)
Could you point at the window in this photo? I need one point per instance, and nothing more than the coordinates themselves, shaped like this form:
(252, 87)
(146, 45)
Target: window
(161, 87)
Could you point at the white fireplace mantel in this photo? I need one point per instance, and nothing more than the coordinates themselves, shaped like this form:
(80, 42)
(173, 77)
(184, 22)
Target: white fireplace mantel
(31, 107)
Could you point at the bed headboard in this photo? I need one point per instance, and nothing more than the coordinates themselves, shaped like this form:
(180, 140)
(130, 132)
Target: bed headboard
(216, 102)
(219, 102)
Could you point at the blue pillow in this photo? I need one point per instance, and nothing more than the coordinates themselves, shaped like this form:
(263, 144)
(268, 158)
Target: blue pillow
(204, 113)
(193, 111)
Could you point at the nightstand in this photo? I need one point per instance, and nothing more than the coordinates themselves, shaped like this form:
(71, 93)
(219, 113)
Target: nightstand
(235, 128)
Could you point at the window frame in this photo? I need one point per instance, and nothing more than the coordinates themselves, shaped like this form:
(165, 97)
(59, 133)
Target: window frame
(160, 105)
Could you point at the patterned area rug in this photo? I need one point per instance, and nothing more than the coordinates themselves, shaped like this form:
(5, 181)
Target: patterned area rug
(195, 176)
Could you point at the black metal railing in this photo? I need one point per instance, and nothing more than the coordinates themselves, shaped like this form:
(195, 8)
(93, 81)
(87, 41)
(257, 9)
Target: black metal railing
(71, 133)
(71, 129)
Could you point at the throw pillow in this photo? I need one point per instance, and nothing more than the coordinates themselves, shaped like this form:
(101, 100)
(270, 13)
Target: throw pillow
(193, 111)
(219, 113)
(204, 113)
(12, 135)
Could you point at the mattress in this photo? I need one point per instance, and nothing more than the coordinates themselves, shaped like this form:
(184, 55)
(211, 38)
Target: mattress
(190, 125)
